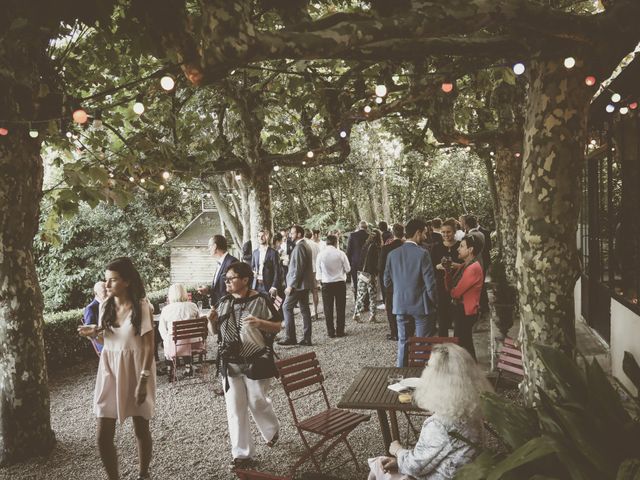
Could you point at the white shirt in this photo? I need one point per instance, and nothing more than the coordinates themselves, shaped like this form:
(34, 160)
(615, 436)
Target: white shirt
(459, 235)
(263, 254)
(332, 265)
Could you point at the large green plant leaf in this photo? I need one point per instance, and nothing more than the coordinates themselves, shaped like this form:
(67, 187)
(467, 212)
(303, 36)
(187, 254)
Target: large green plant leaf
(514, 424)
(602, 396)
(535, 449)
(566, 376)
(629, 470)
(480, 467)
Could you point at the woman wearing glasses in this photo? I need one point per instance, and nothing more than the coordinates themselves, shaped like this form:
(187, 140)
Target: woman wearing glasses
(246, 323)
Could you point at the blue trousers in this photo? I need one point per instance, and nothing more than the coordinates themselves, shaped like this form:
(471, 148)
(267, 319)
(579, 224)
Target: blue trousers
(409, 326)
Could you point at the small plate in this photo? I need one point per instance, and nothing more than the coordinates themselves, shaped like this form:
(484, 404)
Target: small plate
(411, 382)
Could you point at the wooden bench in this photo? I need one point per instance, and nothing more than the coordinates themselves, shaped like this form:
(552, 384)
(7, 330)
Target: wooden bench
(509, 361)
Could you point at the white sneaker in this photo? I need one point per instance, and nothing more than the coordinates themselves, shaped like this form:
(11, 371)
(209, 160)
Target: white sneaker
(381, 307)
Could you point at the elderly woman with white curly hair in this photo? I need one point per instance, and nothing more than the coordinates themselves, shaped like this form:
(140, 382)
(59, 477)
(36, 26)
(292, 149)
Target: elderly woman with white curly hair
(450, 389)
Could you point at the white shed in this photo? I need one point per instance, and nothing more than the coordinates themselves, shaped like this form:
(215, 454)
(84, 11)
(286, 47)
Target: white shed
(191, 262)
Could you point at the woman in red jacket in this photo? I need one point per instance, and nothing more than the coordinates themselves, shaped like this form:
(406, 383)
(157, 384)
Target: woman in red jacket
(465, 286)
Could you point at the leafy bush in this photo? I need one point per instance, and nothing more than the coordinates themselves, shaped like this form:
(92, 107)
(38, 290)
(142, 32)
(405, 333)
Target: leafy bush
(62, 344)
(584, 433)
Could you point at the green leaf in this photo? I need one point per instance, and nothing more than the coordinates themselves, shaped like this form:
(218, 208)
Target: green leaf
(514, 424)
(629, 470)
(564, 372)
(535, 449)
(478, 469)
(508, 76)
(602, 395)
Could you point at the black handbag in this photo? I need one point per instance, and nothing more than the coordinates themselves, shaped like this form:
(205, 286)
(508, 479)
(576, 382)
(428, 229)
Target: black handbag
(262, 368)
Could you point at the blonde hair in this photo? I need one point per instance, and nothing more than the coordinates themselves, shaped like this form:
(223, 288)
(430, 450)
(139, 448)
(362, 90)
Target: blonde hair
(177, 293)
(451, 383)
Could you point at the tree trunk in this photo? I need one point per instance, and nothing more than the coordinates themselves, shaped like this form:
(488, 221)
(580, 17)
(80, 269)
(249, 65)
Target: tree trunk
(508, 170)
(547, 260)
(495, 201)
(25, 426)
(228, 220)
(260, 202)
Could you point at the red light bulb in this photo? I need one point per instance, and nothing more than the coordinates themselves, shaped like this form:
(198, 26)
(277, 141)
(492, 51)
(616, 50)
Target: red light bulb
(4, 131)
(633, 105)
(80, 116)
(590, 81)
(447, 87)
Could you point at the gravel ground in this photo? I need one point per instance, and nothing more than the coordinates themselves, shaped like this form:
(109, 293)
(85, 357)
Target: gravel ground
(190, 427)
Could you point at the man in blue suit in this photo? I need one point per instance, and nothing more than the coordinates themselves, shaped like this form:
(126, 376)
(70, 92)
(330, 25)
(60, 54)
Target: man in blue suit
(218, 248)
(91, 312)
(410, 273)
(265, 264)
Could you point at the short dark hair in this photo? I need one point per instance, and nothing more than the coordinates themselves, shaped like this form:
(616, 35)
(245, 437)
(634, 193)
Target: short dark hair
(398, 230)
(473, 242)
(277, 237)
(414, 225)
(332, 240)
(241, 269)
(316, 231)
(383, 226)
(450, 222)
(220, 241)
(470, 221)
(308, 233)
(299, 229)
(436, 222)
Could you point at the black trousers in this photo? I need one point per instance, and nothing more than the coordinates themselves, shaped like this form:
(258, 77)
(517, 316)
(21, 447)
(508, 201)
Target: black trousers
(334, 292)
(391, 318)
(463, 328)
(446, 312)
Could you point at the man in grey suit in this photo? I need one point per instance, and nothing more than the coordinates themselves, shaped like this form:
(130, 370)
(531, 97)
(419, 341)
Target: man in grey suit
(410, 272)
(300, 279)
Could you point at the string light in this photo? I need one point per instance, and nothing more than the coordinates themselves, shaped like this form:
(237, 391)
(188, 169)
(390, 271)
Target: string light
(615, 98)
(161, 187)
(142, 180)
(68, 134)
(381, 90)
(276, 168)
(426, 163)
(379, 100)
(367, 109)
(3, 131)
(492, 153)
(343, 134)
(569, 62)
(166, 175)
(270, 186)
(447, 87)
(304, 162)
(517, 154)
(167, 83)
(33, 133)
(404, 169)
(518, 68)
(238, 176)
(633, 105)
(138, 106)
(80, 115)
(131, 179)
(111, 175)
(610, 108)
(624, 110)
(594, 142)
(590, 81)
(360, 172)
(309, 154)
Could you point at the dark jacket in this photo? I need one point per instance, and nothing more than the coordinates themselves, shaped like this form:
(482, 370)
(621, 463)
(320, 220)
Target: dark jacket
(370, 254)
(91, 313)
(271, 270)
(218, 288)
(354, 248)
(382, 258)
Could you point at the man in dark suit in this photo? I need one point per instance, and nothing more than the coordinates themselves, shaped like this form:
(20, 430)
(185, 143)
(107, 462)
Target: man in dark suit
(384, 230)
(436, 236)
(410, 272)
(218, 248)
(398, 233)
(354, 254)
(265, 264)
(300, 279)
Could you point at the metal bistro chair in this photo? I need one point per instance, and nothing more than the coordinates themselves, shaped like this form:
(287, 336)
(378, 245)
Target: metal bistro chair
(419, 353)
(302, 373)
(190, 340)
(253, 475)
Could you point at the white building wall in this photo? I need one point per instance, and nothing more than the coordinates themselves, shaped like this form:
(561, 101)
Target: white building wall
(625, 336)
(192, 265)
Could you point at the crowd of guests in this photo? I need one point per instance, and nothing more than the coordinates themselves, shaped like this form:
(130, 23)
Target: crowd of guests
(430, 275)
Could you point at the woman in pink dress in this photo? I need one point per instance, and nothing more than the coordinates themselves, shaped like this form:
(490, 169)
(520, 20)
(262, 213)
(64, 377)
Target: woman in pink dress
(126, 381)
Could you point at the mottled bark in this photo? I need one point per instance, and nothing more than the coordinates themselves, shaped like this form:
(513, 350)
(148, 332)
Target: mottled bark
(228, 220)
(260, 202)
(547, 260)
(508, 170)
(495, 201)
(25, 428)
